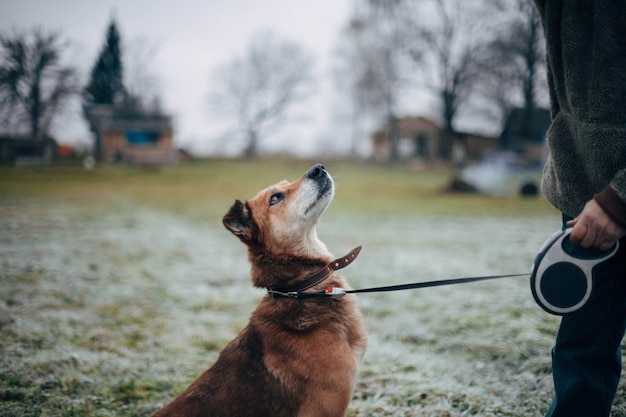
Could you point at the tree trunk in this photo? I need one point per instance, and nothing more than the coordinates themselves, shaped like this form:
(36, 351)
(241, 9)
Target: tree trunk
(392, 135)
(251, 147)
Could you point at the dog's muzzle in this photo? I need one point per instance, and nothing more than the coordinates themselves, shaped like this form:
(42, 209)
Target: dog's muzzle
(323, 180)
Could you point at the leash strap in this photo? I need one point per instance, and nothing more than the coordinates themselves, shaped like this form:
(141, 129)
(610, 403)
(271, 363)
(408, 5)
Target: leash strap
(334, 292)
(427, 284)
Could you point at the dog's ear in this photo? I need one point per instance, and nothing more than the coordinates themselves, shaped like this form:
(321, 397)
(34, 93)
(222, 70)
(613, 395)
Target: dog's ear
(239, 221)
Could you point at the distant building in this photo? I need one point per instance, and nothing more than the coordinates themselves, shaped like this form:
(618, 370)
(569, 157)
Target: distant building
(126, 134)
(26, 150)
(423, 140)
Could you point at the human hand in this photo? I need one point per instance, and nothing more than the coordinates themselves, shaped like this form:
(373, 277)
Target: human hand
(594, 228)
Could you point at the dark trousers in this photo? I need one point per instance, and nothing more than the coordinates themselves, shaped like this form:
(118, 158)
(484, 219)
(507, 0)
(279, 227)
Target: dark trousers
(586, 359)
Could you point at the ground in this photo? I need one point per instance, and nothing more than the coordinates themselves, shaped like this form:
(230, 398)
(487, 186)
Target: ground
(111, 309)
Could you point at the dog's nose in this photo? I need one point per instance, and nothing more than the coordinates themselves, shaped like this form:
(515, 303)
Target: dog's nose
(316, 171)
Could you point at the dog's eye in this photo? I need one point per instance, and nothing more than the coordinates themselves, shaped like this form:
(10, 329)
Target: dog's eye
(276, 198)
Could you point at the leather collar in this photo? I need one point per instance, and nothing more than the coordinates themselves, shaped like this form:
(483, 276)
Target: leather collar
(320, 275)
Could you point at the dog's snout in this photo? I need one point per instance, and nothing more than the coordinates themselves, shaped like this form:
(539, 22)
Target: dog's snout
(316, 171)
(319, 185)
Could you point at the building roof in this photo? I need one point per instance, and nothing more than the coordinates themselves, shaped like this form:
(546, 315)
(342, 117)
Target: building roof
(122, 118)
(412, 124)
(409, 125)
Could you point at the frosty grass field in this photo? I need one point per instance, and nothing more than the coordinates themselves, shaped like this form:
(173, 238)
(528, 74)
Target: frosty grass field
(119, 286)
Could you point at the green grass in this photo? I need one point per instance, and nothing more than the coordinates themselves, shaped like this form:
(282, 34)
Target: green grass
(118, 286)
(207, 188)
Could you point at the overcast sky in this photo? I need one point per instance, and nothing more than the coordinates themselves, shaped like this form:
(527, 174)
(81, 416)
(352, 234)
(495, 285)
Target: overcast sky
(192, 37)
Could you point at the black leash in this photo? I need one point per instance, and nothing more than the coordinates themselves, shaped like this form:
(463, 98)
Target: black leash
(334, 292)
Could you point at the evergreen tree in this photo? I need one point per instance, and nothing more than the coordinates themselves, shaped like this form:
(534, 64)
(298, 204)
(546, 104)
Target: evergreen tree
(106, 84)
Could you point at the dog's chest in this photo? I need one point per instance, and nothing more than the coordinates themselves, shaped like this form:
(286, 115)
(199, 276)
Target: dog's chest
(315, 344)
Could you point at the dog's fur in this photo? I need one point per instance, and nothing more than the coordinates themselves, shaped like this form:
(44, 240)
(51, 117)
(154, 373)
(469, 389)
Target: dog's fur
(295, 357)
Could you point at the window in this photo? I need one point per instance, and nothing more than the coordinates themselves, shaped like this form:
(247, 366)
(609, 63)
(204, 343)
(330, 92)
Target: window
(421, 145)
(138, 138)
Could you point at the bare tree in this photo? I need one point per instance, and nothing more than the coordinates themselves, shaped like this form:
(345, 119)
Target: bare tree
(513, 69)
(374, 53)
(258, 89)
(141, 84)
(400, 46)
(34, 85)
(447, 48)
(450, 42)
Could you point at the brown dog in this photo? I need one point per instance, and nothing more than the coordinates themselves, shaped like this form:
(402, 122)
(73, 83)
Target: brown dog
(297, 356)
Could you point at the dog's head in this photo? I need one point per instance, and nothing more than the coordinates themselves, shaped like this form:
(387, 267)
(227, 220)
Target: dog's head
(280, 220)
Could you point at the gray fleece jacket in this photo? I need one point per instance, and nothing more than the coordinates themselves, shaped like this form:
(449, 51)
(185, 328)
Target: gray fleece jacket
(586, 57)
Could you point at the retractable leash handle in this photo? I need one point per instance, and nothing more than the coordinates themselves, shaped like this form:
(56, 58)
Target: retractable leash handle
(561, 280)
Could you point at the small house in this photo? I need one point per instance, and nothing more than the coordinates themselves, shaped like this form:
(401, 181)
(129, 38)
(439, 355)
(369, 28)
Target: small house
(124, 134)
(421, 139)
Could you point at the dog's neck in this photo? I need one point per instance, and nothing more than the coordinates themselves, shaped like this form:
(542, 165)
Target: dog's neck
(288, 262)
(294, 273)
(319, 276)
(270, 270)
(315, 245)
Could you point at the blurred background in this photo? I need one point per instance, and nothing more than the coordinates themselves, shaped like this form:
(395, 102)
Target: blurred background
(424, 81)
(128, 128)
